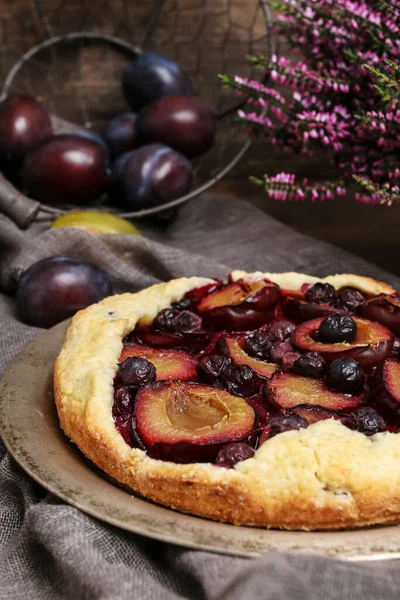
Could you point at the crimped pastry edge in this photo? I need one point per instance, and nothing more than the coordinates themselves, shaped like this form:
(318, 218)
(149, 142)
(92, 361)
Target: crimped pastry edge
(323, 477)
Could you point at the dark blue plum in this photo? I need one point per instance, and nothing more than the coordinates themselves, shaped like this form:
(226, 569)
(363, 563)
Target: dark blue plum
(24, 123)
(120, 134)
(55, 288)
(136, 371)
(345, 375)
(152, 76)
(184, 123)
(150, 176)
(90, 135)
(66, 168)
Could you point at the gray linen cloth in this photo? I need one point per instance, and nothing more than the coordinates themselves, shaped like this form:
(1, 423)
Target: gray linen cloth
(50, 550)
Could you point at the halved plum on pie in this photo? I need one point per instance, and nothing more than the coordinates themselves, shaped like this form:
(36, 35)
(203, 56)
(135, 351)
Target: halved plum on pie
(384, 309)
(169, 364)
(242, 305)
(372, 344)
(299, 310)
(190, 422)
(288, 391)
(234, 348)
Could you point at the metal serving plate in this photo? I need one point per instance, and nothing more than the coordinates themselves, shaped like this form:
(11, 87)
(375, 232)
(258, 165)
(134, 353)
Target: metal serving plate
(30, 430)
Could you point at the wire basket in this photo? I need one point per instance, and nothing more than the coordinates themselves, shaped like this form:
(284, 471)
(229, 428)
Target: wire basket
(78, 74)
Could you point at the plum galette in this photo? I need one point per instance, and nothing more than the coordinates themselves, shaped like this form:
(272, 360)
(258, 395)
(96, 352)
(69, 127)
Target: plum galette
(272, 399)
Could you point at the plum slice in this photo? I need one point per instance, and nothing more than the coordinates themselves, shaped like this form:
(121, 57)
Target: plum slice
(160, 339)
(190, 422)
(289, 391)
(292, 293)
(234, 348)
(387, 389)
(241, 305)
(313, 414)
(169, 364)
(385, 310)
(372, 344)
(299, 311)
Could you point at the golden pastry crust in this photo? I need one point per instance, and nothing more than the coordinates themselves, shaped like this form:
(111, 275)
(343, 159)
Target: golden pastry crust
(322, 477)
(294, 281)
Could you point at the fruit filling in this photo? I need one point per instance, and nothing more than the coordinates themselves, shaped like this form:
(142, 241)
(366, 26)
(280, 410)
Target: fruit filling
(230, 366)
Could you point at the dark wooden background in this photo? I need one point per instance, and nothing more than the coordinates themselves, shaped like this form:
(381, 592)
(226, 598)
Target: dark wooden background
(70, 84)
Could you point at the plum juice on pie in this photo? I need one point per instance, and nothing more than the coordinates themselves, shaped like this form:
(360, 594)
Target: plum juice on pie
(231, 365)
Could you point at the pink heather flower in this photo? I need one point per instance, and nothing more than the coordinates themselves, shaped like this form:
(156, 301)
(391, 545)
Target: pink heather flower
(331, 102)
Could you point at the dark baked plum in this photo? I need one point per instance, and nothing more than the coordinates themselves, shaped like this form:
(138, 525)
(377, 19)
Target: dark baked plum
(184, 123)
(241, 380)
(120, 134)
(387, 389)
(384, 309)
(135, 371)
(24, 123)
(258, 346)
(164, 320)
(310, 364)
(321, 293)
(288, 360)
(159, 339)
(263, 415)
(152, 76)
(235, 349)
(55, 288)
(190, 422)
(194, 343)
(337, 328)
(396, 348)
(288, 391)
(299, 311)
(345, 375)
(366, 420)
(281, 331)
(177, 321)
(243, 305)
(279, 349)
(213, 367)
(372, 344)
(299, 294)
(66, 168)
(124, 427)
(169, 364)
(197, 294)
(260, 295)
(182, 304)
(351, 299)
(150, 176)
(280, 424)
(123, 405)
(186, 322)
(234, 453)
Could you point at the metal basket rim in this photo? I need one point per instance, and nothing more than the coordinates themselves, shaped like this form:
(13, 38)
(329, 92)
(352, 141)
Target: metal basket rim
(51, 212)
